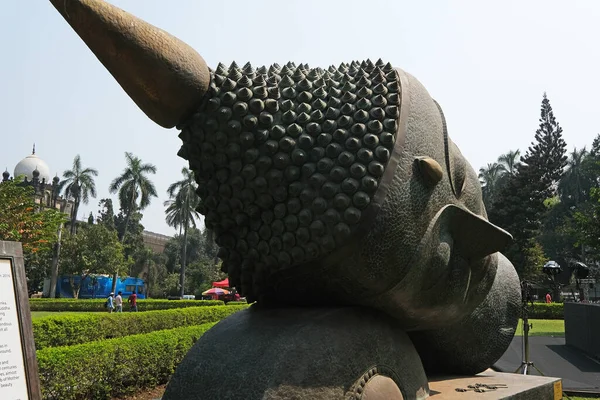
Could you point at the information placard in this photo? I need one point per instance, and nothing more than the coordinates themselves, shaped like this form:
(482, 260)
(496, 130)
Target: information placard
(13, 382)
(19, 378)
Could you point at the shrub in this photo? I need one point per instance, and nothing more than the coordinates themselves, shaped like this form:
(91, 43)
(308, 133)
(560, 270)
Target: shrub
(114, 367)
(65, 330)
(98, 304)
(547, 311)
(233, 302)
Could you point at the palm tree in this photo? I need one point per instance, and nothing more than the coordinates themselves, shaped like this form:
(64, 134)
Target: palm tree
(509, 161)
(79, 185)
(181, 213)
(131, 185)
(488, 177)
(573, 185)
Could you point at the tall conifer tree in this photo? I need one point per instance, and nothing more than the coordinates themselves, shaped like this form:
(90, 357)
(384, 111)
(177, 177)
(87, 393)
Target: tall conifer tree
(519, 206)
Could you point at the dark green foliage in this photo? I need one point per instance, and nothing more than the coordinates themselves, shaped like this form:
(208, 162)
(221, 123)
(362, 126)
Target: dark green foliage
(21, 220)
(519, 206)
(173, 249)
(66, 330)
(587, 222)
(201, 267)
(93, 250)
(134, 241)
(132, 227)
(150, 266)
(547, 311)
(181, 213)
(98, 304)
(106, 214)
(201, 275)
(114, 367)
(78, 184)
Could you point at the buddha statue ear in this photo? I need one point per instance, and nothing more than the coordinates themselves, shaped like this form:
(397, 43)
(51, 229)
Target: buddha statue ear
(165, 77)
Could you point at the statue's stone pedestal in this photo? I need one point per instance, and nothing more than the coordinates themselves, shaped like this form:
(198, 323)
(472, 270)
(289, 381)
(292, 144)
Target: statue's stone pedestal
(516, 387)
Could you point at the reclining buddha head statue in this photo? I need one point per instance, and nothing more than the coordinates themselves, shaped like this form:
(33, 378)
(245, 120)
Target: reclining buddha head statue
(323, 186)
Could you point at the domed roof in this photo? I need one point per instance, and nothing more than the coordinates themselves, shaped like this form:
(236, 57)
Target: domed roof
(29, 164)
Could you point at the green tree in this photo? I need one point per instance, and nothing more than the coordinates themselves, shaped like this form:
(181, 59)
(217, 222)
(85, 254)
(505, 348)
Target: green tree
(495, 176)
(210, 247)
(133, 242)
(106, 214)
(534, 256)
(509, 161)
(150, 266)
(181, 213)
(520, 205)
(78, 184)
(488, 178)
(575, 184)
(93, 250)
(202, 274)
(195, 249)
(21, 220)
(135, 190)
(587, 221)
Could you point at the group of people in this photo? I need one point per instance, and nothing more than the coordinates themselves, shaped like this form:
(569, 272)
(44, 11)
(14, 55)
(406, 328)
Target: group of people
(116, 303)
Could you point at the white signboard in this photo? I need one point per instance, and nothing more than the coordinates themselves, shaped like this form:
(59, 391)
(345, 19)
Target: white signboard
(13, 381)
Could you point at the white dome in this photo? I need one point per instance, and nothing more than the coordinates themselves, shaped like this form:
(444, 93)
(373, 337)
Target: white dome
(27, 165)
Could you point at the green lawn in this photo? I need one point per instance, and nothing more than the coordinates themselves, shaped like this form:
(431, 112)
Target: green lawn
(543, 327)
(582, 398)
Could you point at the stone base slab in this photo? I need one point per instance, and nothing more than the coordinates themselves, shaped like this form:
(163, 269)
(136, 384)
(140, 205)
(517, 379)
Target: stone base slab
(515, 387)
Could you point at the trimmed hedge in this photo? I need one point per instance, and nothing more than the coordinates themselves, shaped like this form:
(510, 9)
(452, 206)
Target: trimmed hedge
(98, 304)
(66, 330)
(114, 367)
(546, 311)
(236, 302)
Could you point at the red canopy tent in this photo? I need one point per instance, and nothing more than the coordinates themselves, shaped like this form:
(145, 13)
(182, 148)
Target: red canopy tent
(222, 284)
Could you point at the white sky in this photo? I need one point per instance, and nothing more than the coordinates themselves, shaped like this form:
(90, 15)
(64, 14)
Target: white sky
(486, 62)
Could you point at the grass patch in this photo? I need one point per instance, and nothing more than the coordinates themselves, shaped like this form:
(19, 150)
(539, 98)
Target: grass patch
(543, 327)
(582, 398)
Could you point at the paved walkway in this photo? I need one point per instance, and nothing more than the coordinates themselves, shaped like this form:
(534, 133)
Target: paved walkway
(550, 354)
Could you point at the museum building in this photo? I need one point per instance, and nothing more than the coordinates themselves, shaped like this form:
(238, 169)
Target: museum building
(35, 172)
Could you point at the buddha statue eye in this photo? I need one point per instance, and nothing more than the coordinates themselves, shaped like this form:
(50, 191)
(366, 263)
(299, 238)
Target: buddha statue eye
(455, 162)
(458, 171)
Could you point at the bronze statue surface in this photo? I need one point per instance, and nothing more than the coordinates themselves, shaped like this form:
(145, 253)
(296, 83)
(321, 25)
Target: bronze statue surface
(336, 188)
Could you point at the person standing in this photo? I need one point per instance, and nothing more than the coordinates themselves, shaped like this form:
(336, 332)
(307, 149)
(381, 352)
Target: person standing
(110, 304)
(548, 298)
(133, 301)
(119, 302)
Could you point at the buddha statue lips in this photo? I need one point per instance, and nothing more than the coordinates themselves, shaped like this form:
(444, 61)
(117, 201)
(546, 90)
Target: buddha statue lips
(335, 186)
